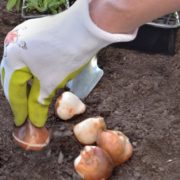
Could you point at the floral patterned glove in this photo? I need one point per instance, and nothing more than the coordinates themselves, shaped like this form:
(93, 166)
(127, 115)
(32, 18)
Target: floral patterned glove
(49, 51)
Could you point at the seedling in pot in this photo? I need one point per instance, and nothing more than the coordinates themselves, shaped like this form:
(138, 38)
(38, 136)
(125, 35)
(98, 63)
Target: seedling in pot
(13, 4)
(40, 8)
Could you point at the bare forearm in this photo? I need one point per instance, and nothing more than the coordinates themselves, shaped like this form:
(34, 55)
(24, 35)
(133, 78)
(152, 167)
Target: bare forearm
(123, 16)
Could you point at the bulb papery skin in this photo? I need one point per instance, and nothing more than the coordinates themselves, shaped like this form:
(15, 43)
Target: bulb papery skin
(31, 138)
(69, 105)
(86, 131)
(93, 163)
(116, 144)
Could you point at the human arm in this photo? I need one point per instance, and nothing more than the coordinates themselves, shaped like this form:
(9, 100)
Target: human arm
(126, 15)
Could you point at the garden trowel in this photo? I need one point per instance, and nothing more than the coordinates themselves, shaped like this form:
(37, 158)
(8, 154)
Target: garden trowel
(84, 83)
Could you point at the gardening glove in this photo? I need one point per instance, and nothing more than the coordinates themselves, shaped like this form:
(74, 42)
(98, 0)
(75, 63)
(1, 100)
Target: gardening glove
(49, 51)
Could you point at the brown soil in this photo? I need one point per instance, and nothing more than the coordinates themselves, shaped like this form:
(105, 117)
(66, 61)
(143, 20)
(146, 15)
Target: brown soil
(138, 95)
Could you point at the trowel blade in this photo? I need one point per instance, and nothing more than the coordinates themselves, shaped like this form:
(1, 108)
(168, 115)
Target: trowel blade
(85, 82)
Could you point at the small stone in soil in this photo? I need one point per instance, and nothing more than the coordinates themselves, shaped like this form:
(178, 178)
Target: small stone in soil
(60, 158)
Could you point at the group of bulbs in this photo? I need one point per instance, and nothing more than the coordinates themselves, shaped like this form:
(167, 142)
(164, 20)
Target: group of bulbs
(112, 147)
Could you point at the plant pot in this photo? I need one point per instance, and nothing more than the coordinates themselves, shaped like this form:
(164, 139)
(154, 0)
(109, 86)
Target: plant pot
(152, 40)
(25, 14)
(158, 36)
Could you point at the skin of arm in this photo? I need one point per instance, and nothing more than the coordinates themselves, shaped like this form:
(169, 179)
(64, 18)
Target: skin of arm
(123, 16)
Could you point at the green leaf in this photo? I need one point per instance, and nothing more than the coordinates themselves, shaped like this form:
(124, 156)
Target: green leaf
(36, 5)
(18, 5)
(48, 6)
(11, 4)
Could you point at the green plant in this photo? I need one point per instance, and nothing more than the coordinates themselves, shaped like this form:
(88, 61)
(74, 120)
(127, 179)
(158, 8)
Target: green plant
(45, 6)
(13, 4)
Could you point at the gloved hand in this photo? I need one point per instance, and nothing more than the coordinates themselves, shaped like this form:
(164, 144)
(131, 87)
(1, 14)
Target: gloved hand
(49, 51)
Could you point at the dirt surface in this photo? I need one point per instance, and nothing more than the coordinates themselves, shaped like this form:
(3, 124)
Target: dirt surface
(138, 95)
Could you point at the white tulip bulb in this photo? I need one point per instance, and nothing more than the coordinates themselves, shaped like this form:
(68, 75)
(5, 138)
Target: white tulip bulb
(69, 105)
(86, 131)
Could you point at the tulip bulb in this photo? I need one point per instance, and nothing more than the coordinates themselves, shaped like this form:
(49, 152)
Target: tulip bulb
(87, 130)
(93, 163)
(116, 144)
(68, 105)
(30, 137)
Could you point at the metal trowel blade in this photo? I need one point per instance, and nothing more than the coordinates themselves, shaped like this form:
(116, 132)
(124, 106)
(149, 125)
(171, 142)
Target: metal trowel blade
(85, 82)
